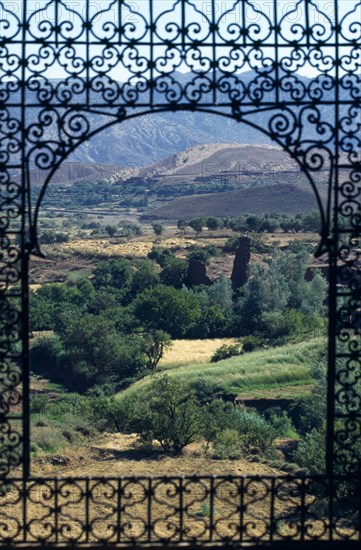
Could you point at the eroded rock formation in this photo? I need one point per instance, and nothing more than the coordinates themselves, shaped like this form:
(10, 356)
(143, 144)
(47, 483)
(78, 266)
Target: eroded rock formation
(240, 266)
(197, 274)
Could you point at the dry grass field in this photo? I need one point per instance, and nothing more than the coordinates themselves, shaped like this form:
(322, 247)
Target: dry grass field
(134, 248)
(156, 508)
(189, 352)
(119, 454)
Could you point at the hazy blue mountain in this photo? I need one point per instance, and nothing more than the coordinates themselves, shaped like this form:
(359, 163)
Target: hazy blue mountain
(143, 140)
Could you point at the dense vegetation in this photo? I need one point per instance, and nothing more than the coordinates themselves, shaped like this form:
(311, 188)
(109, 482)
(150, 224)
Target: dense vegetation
(134, 192)
(107, 327)
(256, 223)
(110, 330)
(172, 410)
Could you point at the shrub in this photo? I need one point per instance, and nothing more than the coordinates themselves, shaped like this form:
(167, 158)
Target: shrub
(258, 245)
(257, 433)
(251, 343)
(38, 403)
(198, 253)
(282, 424)
(213, 250)
(48, 439)
(310, 453)
(205, 510)
(51, 237)
(107, 413)
(225, 352)
(111, 230)
(204, 388)
(130, 229)
(227, 444)
(160, 255)
(231, 244)
(218, 416)
(158, 228)
(203, 253)
(45, 355)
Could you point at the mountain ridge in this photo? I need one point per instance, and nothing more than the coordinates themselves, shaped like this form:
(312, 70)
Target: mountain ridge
(153, 136)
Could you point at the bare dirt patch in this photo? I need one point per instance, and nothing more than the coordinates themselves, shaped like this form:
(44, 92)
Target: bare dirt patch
(116, 455)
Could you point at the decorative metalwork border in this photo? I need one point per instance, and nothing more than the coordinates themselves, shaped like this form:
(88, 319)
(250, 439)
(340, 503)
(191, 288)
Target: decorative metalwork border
(175, 510)
(69, 69)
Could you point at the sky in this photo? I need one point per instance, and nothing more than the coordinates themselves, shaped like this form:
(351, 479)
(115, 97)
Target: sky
(229, 13)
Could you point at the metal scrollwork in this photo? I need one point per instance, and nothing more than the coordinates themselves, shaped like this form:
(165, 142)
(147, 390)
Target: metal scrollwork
(290, 70)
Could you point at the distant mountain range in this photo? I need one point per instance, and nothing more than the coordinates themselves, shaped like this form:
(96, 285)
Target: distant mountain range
(143, 140)
(150, 138)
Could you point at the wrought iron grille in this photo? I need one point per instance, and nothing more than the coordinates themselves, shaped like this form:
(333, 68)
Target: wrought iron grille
(289, 68)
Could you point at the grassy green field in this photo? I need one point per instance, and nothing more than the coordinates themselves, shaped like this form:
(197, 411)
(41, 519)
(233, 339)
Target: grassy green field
(257, 372)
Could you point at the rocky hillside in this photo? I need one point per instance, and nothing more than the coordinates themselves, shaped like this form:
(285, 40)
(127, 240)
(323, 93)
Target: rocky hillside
(238, 163)
(140, 141)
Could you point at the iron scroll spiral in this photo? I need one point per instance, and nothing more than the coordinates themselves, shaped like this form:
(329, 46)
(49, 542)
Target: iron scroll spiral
(289, 69)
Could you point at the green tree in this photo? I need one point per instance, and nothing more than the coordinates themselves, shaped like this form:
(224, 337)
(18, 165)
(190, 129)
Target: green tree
(115, 273)
(265, 292)
(86, 291)
(45, 355)
(145, 276)
(292, 267)
(96, 354)
(64, 315)
(197, 224)
(198, 253)
(102, 300)
(313, 300)
(218, 416)
(254, 223)
(221, 294)
(174, 272)
(312, 222)
(310, 453)
(213, 223)
(122, 317)
(160, 255)
(173, 416)
(158, 228)
(277, 301)
(111, 230)
(216, 303)
(60, 292)
(41, 312)
(168, 309)
(52, 237)
(129, 229)
(155, 343)
(182, 224)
